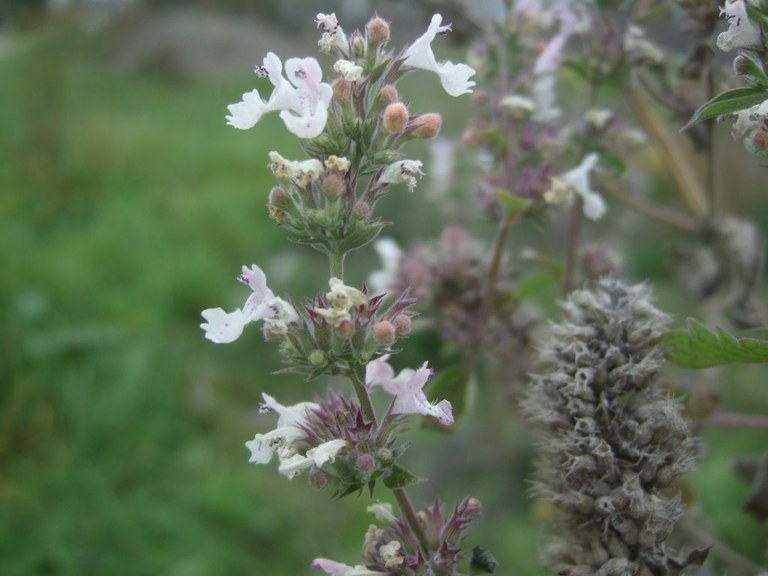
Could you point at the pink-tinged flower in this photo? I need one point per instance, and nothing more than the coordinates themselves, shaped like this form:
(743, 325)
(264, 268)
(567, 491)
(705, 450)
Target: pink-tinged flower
(302, 99)
(338, 569)
(742, 32)
(286, 434)
(455, 78)
(406, 387)
(333, 37)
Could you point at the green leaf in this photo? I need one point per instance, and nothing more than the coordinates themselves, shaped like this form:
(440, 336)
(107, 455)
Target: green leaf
(513, 204)
(728, 102)
(700, 347)
(399, 477)
(449, 384)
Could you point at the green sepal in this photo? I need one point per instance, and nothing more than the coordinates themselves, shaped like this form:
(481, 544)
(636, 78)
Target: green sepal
(399, 477)
(514, 205)
(700, 347)
(728, 102)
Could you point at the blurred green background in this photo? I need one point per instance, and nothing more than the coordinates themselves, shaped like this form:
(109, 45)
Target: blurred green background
(126, 207)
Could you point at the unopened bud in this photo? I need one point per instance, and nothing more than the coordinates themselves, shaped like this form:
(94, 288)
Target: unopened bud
(395, 117)
(333, 186)
(387, 95)
(365, 463)
(384, 333)
(385, 456)
(316, 358)
(402, 323)
(318, 478)
(427, 125)
(472, 508)
(278, 198)
(760, 139)
(358, 46)
(361, 210)
(377, 30)
(345, 329)
(341, 89)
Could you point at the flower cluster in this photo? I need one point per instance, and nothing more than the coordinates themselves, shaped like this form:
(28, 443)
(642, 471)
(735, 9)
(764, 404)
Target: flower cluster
(353, 128)
(392, 548)
(613, 441)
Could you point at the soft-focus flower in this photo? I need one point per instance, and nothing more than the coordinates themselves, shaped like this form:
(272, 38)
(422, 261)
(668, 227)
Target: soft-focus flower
(742, 32)
(406, 387)
(390, 554)
(544, 96)
(576, 181)
(455, 78)
(519, 107)
(337, 164)
(403, 172)
(338, 569)
(302, 99)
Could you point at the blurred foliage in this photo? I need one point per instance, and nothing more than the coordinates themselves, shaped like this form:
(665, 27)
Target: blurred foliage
(128, 206)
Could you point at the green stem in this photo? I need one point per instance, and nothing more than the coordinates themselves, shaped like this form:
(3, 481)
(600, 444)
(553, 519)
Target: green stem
(361, 392)
(413, 521)
(337, 265)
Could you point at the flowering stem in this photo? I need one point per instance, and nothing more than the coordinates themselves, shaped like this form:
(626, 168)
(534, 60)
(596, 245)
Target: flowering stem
(713, 204)
(413, 521)
(574, 226)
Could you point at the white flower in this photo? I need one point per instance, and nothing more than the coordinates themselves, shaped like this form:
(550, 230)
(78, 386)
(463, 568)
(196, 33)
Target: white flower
(576, 181)
(455, 78)
(406, 387)
(286, 434)
(326, 452)
(402, 172)
(302, 99)
(348, 70)
(337, 164)
(742, 32)
(301, 172)
(338, 569)
(637, 45)
(333, 316)
(598, 117)
(389, 254)
(223, 327)
(545, 98)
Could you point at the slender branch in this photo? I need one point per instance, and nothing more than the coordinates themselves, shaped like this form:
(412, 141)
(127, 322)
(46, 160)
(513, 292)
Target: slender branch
(673, 156)
(654, 211)
(413, 521)
(731, 420)
(337, 265)
(713, 204)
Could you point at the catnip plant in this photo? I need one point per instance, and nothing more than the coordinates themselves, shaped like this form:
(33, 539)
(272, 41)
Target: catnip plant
(614, 439)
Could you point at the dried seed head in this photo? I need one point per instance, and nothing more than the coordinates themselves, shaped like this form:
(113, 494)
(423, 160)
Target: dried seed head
(333, 186)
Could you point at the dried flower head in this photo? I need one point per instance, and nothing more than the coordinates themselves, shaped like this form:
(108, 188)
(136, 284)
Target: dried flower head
(612, 441)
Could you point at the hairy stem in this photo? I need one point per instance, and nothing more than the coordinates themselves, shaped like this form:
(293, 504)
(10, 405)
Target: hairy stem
(413, 521)
(337, 264)
(654, 211)
(730, 420)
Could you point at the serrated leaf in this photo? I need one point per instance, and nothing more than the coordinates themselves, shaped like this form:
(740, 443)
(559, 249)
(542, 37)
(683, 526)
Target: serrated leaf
(400, 477)
(728, 102)
(700, 347)
(513, 204)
